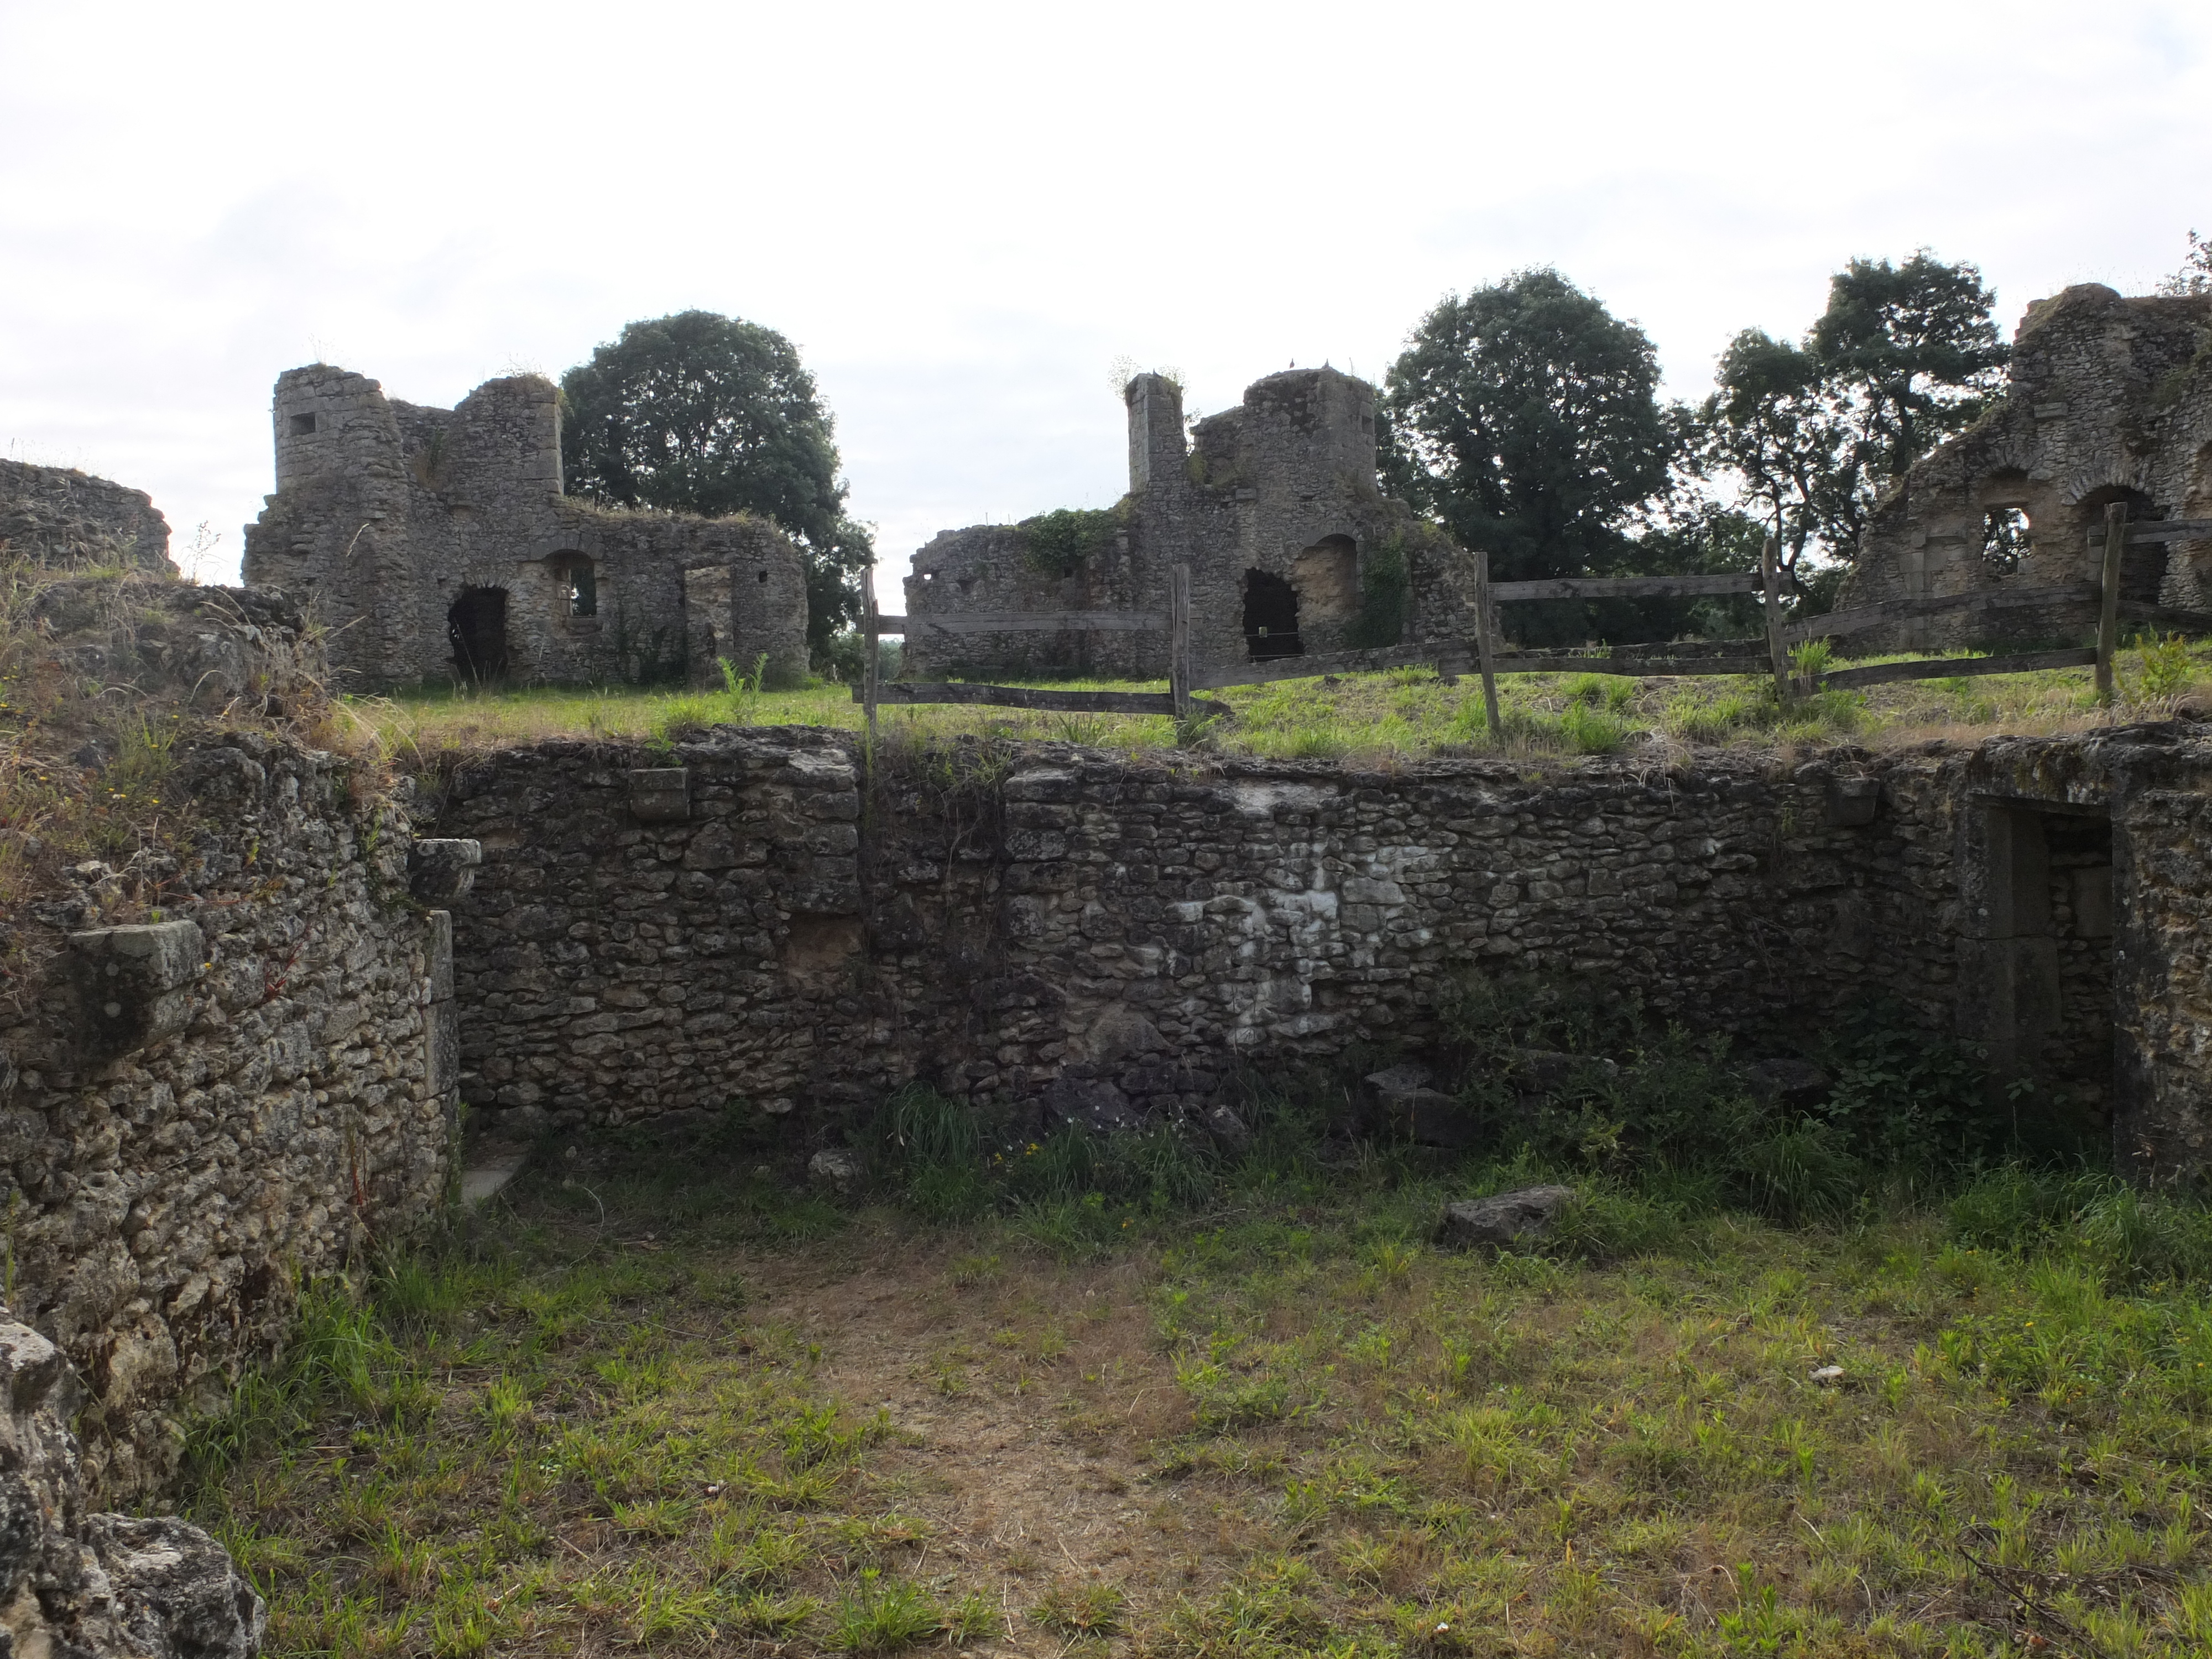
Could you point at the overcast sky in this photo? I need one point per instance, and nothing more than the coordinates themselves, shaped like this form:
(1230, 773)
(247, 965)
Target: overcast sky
(964, 213)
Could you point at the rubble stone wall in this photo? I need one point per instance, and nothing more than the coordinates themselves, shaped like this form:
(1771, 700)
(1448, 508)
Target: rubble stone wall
(749, 925)
(400, 524)
(202, 1108)
(1059, 925)
(2109, 400)
(57, 516)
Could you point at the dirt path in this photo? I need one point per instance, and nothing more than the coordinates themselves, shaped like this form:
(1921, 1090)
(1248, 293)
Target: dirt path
(1022, 1418)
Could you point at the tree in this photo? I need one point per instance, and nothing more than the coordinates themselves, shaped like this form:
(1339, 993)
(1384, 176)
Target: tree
(1776, 423)
(2194, 276)
(1914, 348)
(701, 413)
(1525, 417)
(1902, 358)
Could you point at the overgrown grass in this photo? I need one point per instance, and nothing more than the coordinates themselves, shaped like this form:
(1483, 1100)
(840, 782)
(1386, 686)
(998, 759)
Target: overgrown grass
(1678, 1429)
(1913, 1395)
(1403, 714)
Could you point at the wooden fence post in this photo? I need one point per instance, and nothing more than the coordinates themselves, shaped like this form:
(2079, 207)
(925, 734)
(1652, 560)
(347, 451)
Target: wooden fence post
(2108, 613)
(1179, 663)
(1483, 648)
(1770, 572)
(868, 638)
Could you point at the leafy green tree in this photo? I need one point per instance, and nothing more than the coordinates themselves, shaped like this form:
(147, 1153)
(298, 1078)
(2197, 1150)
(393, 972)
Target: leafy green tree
(1777, 424)
(1903, 357)
(1914, 348)
(701, 413)
(1525, 417)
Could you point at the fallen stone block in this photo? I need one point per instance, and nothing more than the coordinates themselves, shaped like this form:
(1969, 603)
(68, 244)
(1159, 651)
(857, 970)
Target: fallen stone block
(1504, 1218)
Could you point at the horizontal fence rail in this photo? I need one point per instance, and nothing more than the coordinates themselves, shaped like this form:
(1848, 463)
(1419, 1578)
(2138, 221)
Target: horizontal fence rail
(1625, 587)
(1945, 668)
(2161, 530)
(1452, 657)
(1030, 622)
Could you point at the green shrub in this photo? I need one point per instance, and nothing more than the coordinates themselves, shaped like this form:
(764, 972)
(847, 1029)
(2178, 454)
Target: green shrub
(1061, 541)
(1385, 594)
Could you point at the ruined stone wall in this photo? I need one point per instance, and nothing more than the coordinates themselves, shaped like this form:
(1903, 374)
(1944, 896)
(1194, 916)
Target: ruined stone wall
(2109, 399)
(202, 1107)
(55, 515)
(386, 514)
(986, 569)
(1057, 924)
(1283, 485)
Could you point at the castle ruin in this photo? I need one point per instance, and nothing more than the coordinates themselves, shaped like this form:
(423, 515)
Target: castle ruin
(2109, 400)
(437, 543)
(1292, 547)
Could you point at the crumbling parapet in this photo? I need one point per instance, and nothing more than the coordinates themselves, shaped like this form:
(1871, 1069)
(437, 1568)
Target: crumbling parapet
(60, 517)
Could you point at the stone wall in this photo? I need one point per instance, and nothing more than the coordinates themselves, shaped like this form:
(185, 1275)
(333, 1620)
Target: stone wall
(1273, 505)
(55, 515)
(205, 1103)
(90, 1586)
(745, 924)
(2109, 400)
(1006, 925)
(438, 543)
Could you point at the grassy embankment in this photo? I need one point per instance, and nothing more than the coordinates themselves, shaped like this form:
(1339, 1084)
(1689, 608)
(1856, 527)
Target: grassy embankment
(1401, 714)
(1057, 1396)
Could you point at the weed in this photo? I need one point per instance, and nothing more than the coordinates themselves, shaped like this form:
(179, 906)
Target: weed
(1077, 1610)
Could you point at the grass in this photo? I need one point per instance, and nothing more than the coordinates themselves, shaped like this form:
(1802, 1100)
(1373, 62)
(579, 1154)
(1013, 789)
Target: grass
(1401, 714)
(663, 1400)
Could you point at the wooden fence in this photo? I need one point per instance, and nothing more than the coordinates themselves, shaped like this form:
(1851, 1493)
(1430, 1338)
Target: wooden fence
(1484, 653)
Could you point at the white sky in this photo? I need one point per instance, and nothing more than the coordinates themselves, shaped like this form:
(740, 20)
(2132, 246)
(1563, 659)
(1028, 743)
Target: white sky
(963, 214)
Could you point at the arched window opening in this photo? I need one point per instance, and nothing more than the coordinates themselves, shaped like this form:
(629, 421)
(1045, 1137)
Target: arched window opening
(476, 626)
(579, 587)
(2005, 540)
(1271, 616)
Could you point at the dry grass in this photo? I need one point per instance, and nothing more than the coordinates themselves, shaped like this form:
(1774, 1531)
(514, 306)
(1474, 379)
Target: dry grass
(716, 1417)
(102, 686)
(1400, 715)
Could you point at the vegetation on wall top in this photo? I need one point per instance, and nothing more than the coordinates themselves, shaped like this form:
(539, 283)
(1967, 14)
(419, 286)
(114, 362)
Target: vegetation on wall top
(1062, 542)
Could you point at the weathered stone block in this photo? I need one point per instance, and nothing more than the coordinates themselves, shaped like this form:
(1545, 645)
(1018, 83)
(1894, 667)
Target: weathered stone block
(442, 870)
(660, 794)
(132, 983)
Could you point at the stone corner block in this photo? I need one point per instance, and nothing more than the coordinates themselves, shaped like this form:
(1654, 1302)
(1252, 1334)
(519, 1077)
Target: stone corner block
(132, 980)
(438, 870)
(660, 794)
(1853, 802)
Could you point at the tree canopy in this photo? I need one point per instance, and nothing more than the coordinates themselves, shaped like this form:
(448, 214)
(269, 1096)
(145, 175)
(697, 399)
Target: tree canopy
(1525, 416)
(707, 414)
(1903, 357)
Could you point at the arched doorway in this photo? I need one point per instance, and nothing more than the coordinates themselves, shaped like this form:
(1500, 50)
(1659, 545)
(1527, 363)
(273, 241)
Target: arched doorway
(1271, 616)
(477, 625)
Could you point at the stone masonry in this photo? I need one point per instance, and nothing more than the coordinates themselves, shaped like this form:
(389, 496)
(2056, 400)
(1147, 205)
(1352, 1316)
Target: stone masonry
(745, 925)
(198, 1111)
(2109, 400)
(1275, 507)
(57, 516)
(437, 543)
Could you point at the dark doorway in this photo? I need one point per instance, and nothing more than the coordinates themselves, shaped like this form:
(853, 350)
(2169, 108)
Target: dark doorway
(477, 625)
(1271, 616)
(2045, 982)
